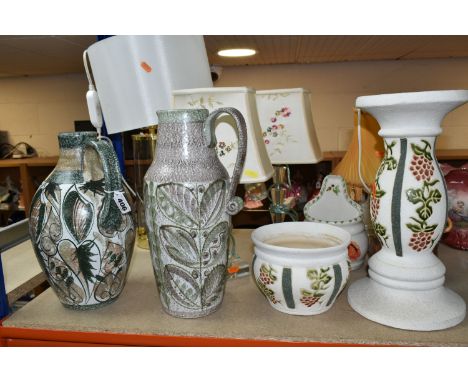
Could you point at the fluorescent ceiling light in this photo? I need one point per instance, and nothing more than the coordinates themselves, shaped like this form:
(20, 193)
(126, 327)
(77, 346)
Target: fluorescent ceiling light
(236, 52)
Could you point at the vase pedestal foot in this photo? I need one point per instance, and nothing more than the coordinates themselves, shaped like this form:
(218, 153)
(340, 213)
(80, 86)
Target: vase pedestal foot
(433, 309)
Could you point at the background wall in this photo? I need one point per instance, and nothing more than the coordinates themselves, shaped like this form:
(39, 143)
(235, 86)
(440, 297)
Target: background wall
(335, 86)
(35, 109)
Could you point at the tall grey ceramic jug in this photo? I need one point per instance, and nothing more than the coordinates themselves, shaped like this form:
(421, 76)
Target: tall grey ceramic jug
(82, 239)
(189, 200)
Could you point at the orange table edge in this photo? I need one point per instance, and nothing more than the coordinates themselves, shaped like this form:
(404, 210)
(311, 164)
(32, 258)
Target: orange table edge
(45, 337)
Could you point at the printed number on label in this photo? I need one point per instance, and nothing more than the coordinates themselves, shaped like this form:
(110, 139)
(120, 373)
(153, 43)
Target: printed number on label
(121, 202)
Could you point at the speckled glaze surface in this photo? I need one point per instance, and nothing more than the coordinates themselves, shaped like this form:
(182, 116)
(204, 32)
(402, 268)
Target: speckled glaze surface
(81, 239)
(189, 200)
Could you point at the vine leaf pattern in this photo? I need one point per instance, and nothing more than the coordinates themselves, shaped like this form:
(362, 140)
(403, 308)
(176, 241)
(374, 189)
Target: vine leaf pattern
(181, 286)
(212, 287)
(179, 245)
(212, 203)
(424, 197)
(389, 163)
(195, 242)
(215, 244)
(177, 203)
(320, 283)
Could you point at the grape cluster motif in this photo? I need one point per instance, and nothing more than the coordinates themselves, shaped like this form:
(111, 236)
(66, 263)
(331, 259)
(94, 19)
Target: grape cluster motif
(420, 240)
(424, 197)
(267, 277)
(421, 164)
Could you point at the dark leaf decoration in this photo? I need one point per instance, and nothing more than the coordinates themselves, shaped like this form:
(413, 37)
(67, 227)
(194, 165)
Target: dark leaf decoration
(109, 286)
(215, 244)
(88, 254)
(212, 203)
(36, 217)
(178, 204)
(94, 186)
(179, 245)
(78, 214)
(63, 283)
(181, 286)
(54, 225)
(110, 219)
(213, 285)
(52, 192)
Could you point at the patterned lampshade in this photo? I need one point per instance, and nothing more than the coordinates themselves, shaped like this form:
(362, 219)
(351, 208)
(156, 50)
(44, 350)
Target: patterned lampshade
(287, 126)
(257, 167)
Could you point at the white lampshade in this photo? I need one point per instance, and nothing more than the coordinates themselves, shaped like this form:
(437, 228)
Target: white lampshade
(287, 126)
(135, 75)
(257, 167)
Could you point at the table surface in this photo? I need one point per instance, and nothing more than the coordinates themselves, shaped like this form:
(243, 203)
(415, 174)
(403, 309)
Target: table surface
(21, 271)
(244, 314)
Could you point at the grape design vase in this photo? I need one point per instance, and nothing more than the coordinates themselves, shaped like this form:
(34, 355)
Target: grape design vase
(81, 238)
(189, 200)
(405, 288)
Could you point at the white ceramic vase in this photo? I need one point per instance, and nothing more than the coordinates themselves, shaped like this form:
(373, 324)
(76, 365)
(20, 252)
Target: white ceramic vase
(405, 288)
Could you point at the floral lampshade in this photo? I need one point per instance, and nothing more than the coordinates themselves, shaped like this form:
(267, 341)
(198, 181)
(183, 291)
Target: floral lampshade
(257, 167)
(287, 126)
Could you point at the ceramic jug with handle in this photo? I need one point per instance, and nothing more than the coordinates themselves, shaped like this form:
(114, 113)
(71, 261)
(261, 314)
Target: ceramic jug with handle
(83, 240)
(189, 201)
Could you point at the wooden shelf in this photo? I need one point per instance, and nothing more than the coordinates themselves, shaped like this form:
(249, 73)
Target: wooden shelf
(27, 167)
(245, 317)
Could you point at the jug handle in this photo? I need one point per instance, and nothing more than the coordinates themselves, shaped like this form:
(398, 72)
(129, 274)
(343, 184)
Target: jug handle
(110, 164)
(235, 203)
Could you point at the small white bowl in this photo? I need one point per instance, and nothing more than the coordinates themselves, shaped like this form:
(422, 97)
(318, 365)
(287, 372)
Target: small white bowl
(297, 280)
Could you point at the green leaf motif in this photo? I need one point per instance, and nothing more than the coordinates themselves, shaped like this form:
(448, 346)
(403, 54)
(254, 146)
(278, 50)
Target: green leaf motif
(380, 229)
(212, 203)
(414, 227)
(425, 211)
(178, 204)
(379, 193)
(213, 285)
(415, 195)
(430, 228)
(181, 286)
(434, 196)
(416, 149)
(215, 244)
(179, 245)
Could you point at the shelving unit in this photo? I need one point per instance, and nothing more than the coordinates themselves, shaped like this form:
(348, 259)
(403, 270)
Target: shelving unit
(34, 170)
(245, 317)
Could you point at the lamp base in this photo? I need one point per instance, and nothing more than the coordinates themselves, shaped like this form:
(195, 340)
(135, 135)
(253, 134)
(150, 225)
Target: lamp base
(426, 310)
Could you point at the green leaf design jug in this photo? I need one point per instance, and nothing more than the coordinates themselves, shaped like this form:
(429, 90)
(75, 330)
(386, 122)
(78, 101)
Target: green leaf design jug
(189, 200)
(82, 239)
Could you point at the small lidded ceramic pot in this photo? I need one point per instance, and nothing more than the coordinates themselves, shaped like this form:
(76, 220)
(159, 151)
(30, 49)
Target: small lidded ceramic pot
(301, 267)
